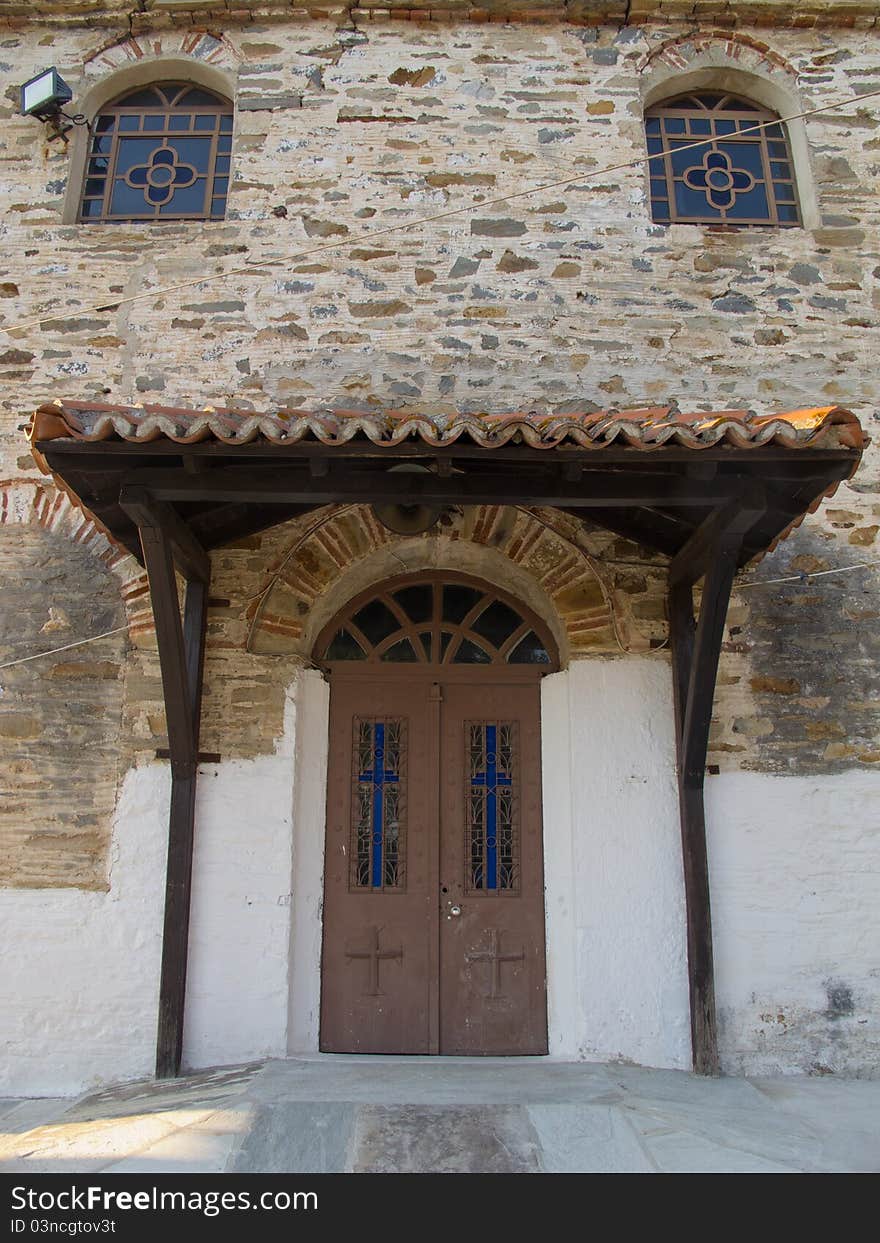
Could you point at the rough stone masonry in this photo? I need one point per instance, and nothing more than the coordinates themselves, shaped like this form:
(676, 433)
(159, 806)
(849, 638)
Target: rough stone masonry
(359, 119)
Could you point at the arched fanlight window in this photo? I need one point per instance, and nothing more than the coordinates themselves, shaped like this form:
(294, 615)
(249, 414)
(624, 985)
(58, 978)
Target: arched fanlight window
(440, 621)
(736, 178)
(159, 153)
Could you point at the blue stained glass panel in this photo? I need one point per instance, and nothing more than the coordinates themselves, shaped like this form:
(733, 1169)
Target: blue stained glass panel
(128, 201)
(749, 205)
(745, 155)
(784, 193)
(690, 202)
(674, 125)
(700, 126)
(780, 168)
(786, 213)
(660, 210)
(683, 159)
(377, 828)
(491, 847)
(187, 198)
(134, 151)
(195, 151)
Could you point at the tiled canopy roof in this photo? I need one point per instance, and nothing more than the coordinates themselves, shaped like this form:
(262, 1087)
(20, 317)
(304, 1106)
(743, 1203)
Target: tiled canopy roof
(646, 428)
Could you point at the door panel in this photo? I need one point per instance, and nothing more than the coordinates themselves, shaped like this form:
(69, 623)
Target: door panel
(492, 965)
(379, 954)
(434, 904)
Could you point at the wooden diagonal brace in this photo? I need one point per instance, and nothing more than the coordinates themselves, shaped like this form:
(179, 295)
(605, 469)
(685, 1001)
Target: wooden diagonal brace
(150, 514)
(727, 526)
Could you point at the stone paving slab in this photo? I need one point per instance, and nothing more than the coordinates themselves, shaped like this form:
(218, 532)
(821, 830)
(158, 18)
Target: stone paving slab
(445, 1139)
(330, 1113)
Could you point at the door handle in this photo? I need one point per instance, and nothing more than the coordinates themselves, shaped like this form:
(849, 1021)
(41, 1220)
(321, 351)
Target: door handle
(454, 910)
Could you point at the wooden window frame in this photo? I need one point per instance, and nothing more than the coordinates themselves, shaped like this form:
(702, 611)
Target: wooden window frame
(174, 91)
(743, 114)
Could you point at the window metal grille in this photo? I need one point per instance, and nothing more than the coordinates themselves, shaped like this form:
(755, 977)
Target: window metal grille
(159, 153)
(736, 179)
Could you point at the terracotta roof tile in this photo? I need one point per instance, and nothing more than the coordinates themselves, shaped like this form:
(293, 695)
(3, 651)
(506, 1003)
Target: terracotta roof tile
(646, 428)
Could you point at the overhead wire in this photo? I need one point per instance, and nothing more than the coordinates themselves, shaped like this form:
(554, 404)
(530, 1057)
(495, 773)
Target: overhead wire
(66, 648)
(588, 558)
(403, 226)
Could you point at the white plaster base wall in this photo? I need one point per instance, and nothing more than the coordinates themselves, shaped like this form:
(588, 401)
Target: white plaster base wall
(80, 970)
(617, 979)
(238, 972)
(794, 865)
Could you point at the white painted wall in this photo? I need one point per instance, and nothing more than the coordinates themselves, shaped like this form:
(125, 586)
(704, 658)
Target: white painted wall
(309, 828)
(794, 865)
(617, 980)
(238, 976)
(79, 974)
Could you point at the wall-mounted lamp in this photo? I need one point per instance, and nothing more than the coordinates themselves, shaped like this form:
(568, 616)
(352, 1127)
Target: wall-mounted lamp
(44, 97)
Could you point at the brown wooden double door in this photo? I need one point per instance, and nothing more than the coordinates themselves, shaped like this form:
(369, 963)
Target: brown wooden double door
(433, 894)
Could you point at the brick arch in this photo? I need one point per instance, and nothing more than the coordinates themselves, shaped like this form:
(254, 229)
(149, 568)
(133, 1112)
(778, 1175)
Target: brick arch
(726, 61)
(38, 504)
(199, 45)
(679, 52)
(536, 555)
(127, 64)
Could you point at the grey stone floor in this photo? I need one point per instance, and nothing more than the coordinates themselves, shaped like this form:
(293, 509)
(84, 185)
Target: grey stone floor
(328, 1114)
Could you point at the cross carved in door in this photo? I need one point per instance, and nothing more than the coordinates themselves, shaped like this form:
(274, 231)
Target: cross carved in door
(494, 956)
(374, 955)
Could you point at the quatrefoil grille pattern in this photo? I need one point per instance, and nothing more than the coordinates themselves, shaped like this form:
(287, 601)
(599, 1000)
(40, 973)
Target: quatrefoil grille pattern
(161, 175)
(720, 181)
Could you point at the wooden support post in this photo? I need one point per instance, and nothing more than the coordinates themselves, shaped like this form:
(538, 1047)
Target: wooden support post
(713, 550)
(181, 660)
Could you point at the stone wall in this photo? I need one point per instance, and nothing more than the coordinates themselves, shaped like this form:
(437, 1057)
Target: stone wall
(568, 298)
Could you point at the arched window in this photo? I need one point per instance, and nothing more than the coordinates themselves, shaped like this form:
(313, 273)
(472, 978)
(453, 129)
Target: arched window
(736, 178)
(439, 620)
(159, 153)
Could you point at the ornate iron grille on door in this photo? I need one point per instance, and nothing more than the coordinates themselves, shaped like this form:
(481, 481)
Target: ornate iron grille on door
(378, 836)
(491, 832)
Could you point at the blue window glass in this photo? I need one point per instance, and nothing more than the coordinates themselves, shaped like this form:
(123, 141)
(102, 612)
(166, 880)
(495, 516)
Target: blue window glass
(492, 838)
(163, 157)
(378, 829)
(725, 179)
